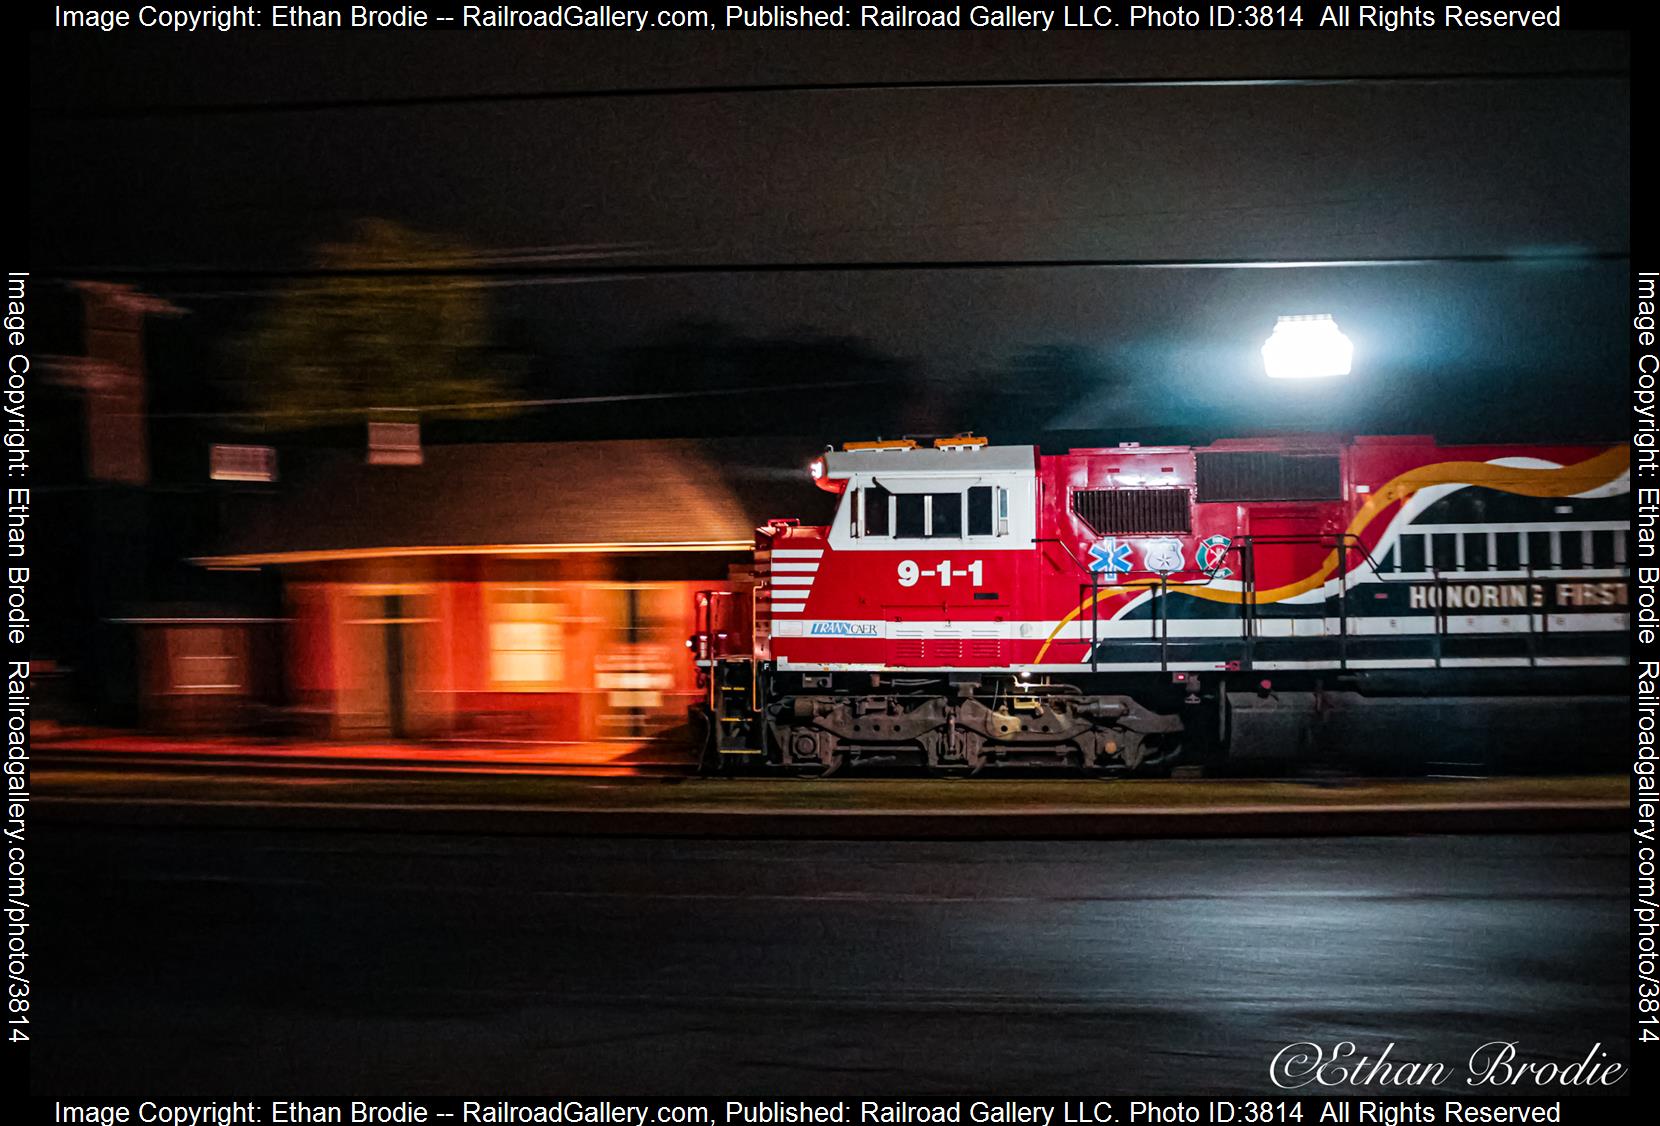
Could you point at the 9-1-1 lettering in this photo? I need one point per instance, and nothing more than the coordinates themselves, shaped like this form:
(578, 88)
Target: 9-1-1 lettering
(911, 572)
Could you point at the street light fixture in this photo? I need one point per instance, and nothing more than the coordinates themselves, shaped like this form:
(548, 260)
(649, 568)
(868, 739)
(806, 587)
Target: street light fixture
(1307, 347)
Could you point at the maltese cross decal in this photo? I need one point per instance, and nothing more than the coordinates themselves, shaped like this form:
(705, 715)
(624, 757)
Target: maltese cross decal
(1211, 553)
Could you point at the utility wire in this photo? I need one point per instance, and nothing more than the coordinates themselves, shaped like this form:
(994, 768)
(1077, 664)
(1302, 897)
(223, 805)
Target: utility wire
(415, 101)
(501, 404)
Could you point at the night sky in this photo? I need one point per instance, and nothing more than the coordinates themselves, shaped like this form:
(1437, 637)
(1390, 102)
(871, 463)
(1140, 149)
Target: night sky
(1523, 349)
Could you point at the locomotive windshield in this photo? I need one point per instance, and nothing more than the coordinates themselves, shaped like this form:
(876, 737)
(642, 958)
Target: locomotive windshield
(981, 497)
(929, 515)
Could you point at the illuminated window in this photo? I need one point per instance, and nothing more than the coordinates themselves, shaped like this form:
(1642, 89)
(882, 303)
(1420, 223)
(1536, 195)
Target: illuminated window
(527, 638)
(205, 661)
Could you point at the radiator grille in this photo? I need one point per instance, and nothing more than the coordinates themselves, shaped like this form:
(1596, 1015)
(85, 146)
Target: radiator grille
(1132, 511)
(1268, 476)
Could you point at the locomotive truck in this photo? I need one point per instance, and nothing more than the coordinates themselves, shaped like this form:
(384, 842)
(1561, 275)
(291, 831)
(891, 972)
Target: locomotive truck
(1110, 610)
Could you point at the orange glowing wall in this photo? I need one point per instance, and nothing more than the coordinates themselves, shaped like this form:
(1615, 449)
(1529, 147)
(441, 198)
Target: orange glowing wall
(570, 648)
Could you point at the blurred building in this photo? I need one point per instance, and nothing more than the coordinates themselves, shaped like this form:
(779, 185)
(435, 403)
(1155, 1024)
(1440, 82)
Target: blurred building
(506, 591)
(99, 554)
(347, 588)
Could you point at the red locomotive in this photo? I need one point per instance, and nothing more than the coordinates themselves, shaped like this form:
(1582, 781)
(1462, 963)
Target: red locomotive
(1109, 609)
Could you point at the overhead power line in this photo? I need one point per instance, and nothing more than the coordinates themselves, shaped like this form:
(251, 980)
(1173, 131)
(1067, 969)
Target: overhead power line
(505, 404)
(415, 101)
(595, 272)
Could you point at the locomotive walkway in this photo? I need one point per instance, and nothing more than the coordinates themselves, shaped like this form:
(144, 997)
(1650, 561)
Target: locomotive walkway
(572, 791)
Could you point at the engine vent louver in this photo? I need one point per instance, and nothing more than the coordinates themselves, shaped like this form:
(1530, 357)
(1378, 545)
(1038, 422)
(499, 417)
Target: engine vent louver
(1133, 511)
(1250, 476)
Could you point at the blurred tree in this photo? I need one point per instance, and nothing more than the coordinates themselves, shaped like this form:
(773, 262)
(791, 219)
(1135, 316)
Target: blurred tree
(329, 348)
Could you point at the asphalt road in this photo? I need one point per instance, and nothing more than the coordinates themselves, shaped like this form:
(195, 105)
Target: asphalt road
(320, 963)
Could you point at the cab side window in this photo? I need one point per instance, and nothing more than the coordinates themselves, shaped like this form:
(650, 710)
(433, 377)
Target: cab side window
(980, 521)
(945, 515)
(911, 522)
(876, 511)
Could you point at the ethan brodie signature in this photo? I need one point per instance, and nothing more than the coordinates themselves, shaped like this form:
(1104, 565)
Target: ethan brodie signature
(1497, 1063)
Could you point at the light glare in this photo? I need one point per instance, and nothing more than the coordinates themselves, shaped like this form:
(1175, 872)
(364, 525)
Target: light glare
(1307, 347)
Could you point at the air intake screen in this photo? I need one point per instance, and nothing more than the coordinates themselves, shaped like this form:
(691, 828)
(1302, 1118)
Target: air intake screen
(1268, 476)
(1132, 511)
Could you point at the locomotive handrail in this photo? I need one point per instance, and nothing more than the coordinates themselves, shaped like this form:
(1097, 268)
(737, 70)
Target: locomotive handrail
(1340, 542)
(1349, 539)
(1094, 618)
(1075, 560)
(1532, 637)
(1346, 538)
(1442, 628)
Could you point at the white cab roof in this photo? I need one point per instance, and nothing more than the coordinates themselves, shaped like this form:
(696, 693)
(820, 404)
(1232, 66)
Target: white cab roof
(927, 462)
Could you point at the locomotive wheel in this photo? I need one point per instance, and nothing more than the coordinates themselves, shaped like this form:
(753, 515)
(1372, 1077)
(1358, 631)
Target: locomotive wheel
(973, 751)
(834, 759)
(938, 767)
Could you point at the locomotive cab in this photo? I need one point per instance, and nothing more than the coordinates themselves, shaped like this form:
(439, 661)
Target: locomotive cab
(958, 495)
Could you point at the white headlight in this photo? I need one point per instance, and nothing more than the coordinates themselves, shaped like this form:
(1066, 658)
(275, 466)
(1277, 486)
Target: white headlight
(1307, 347)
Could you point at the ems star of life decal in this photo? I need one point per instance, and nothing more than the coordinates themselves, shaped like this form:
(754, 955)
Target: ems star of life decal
(1109, 559)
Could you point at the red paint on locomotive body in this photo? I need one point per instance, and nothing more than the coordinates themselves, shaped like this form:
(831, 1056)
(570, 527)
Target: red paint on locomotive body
(996, 558)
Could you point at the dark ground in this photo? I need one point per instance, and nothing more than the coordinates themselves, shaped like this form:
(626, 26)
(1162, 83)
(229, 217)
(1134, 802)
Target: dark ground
(329, 963)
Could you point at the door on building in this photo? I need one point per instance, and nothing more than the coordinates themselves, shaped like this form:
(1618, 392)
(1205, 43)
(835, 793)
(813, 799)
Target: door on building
(386, 649)
(640, 640)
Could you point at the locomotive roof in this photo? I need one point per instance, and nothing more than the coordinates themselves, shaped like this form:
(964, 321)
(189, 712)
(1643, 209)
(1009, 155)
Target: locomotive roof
(970, 462)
